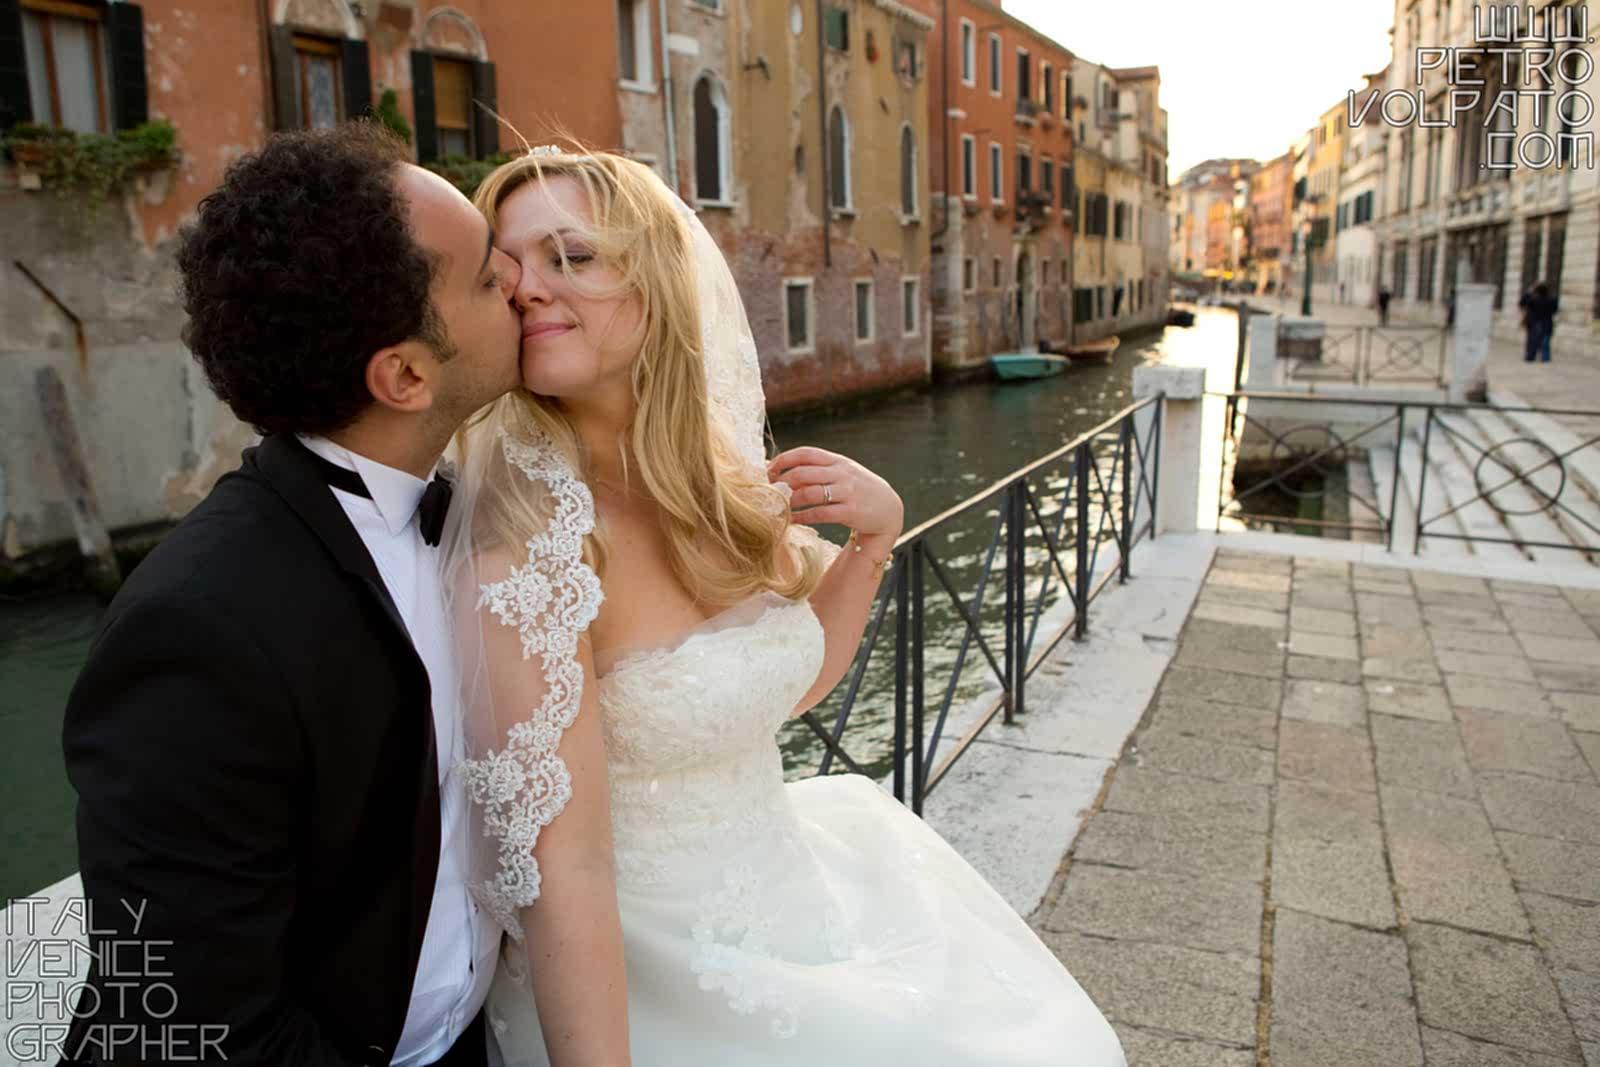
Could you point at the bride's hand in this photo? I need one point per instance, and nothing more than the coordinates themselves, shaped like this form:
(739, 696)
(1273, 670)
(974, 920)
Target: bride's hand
(828, 487)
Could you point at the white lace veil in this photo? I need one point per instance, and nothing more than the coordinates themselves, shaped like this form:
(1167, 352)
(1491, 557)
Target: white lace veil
(519, 609)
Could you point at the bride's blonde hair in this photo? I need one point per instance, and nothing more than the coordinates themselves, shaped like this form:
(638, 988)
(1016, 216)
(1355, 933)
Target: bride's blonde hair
(726, 526)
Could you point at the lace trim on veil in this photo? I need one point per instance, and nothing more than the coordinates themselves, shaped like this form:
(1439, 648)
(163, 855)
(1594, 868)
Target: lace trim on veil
(551, 600)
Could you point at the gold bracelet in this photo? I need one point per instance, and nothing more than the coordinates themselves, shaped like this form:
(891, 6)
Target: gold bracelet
(878, 565)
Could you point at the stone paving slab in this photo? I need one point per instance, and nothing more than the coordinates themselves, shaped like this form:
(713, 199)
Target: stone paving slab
(1422, 755)
(1387, 781)
(1340, 995)
(1186, 992)
(1484, 987)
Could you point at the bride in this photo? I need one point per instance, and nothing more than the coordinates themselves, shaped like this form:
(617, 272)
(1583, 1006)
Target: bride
(638, 611)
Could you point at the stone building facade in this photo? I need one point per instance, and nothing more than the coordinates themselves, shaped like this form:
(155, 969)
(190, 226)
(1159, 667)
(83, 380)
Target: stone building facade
(1271, 201)
(1507, 210)
(743, 82)
(1003, 184)
(816, 186)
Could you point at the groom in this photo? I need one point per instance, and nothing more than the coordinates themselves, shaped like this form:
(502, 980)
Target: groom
(272, 853)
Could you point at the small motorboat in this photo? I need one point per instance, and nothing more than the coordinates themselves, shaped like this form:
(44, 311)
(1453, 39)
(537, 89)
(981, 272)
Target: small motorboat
(1180, 317)
(1018, 366)
(1099, 351)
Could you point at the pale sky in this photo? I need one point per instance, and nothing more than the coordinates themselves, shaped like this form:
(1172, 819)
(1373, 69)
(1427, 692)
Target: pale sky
(1241, 79)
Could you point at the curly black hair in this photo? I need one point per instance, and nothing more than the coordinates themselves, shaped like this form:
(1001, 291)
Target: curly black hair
(299, 267)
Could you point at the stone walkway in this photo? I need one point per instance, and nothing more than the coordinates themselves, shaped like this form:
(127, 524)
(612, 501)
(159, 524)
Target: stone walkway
(1358, 825)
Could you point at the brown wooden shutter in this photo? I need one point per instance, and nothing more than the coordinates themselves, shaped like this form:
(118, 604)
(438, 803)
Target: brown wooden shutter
(286, 112)
(422, 104)
(357, 71)
(130, 101)
(15, 105)
(485, 111)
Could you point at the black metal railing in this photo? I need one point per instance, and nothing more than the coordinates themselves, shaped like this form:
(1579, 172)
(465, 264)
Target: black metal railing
(1271, 454)
(1400, 354)
(1053, 519)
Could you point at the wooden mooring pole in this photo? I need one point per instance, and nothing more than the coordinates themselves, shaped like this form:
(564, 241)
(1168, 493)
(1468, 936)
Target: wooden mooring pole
(94, 541)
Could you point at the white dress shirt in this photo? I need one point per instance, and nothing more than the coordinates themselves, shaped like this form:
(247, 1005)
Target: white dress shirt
(460, 945)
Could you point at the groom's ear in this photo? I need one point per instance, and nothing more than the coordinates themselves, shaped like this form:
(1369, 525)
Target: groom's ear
(403, 377)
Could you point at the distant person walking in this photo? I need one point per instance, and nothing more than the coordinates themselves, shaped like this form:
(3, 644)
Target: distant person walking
(1538, 321)
(1383, 305)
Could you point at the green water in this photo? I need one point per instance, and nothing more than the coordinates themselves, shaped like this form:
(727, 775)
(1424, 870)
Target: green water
(936, 446)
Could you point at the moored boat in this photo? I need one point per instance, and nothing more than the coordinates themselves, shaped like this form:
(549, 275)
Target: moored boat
(1017, 366)
(1099, 351)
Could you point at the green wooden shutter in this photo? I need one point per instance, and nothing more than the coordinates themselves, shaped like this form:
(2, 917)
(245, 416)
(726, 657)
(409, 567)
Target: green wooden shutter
(130, 101)
(427, 126)
(485, 111)
(286, 112)
(15, 105)
(357, 70)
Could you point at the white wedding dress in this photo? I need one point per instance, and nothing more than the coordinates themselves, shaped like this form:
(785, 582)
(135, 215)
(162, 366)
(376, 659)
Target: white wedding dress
(814, 923)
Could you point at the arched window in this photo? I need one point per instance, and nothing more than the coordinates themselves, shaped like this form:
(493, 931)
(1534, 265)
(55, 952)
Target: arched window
(908, 171)
(710, 140)
(839, 159)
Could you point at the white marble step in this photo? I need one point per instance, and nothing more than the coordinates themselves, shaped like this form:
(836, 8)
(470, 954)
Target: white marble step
(1433, 505)
(1450, 472)
(1524, 513)
(1380, 465)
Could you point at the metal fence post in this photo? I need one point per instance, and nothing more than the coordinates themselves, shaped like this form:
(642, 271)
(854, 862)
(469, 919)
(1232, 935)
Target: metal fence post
(1019, 669)
(1126, 526)
(1422, 481)
(1153, 461)
(902, 625)
(919, 766)
(1084, 579)
(1008, 507)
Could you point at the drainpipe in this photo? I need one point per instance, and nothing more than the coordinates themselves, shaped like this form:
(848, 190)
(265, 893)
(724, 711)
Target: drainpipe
(944, 118)
(822, 115)
(269, 100)
(666, 97)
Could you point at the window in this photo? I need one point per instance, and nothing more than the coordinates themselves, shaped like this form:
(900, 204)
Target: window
(316, 83)
(1066, 97)
(1427, 252)
(1047, 180)
(1024, 174)
(969, 53)
(1119, 224)
(969, 274)
(1047, 85)
(709, 5)
(996, 76)
(1024, 75)
(907, 58)
(908, 172)
(1099, 301)
(865, 327)
(997, 173)
(836, 29)
(1069, 193)
(797, 313)
(995, 283)
(1044, 272)
(711, 148)
(910, 306)
(64, 50)
(969, 165)
(1398, 281)
(1083, 305)
(452, 103)
(633, 41)
(838, 159)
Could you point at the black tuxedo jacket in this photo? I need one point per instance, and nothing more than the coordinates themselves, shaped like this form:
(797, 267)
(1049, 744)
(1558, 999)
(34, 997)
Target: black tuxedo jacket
(252, 746)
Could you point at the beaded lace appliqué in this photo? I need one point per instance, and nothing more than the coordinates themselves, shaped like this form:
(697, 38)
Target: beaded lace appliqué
(551, 600)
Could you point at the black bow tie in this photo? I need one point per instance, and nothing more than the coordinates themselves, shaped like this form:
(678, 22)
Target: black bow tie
(431, 512)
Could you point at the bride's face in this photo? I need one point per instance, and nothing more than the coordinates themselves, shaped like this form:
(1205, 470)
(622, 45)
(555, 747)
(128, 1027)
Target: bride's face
(578, 335)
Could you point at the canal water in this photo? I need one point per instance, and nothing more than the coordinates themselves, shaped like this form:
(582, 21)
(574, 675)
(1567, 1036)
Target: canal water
(937, 447)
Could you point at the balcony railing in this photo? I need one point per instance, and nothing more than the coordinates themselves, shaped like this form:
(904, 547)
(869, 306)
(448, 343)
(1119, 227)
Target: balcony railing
(1067, 525)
